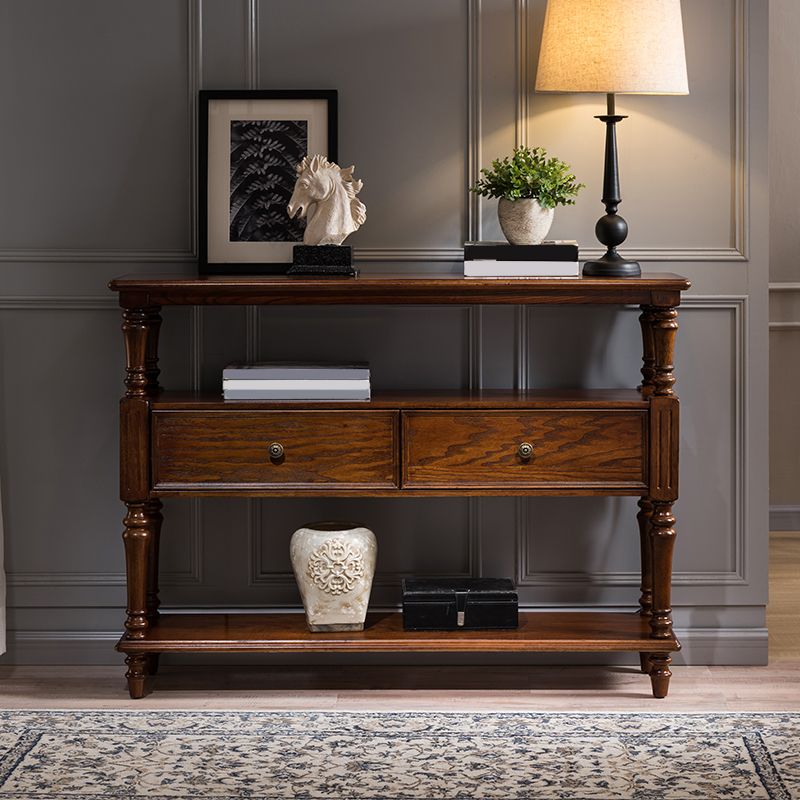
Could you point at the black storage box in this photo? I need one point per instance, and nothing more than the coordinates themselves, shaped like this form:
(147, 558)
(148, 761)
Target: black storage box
(451, 604)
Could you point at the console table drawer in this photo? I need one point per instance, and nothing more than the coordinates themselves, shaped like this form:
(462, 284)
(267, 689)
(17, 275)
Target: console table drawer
(231, 449)
(462, 449)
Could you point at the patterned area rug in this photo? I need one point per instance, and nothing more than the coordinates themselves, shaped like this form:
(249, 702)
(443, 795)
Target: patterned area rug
(171, 754)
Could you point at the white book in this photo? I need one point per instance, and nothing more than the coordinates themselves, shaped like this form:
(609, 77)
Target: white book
(295, 394)
(284, 389)
(288, 370)
(521, 269)
(283, 385)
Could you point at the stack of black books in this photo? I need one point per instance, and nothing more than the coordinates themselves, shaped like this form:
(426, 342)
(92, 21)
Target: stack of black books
(296, 381)
(504, 260)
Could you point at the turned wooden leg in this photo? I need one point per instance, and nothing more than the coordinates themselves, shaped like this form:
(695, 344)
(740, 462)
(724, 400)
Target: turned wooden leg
(659, 329)
(646, 320)
(662, 535)
(136, 674)
(644, 517)
(663, 326)
(142, 527)
(137, 537)
(660, 674)
(140, 327)
(662, 539)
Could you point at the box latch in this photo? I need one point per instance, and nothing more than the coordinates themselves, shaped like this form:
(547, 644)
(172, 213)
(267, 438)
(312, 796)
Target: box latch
(461, 607)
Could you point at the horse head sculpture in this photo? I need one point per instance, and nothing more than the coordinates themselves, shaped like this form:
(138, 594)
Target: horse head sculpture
(326, 195)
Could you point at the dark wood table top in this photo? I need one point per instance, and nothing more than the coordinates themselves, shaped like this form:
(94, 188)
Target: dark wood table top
(140, 291)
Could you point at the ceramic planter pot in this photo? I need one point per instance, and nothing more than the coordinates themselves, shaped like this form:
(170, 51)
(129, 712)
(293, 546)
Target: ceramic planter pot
(524, 221)
(334, 564)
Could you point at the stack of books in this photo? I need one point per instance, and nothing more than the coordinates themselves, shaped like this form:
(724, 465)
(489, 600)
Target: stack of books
(296, 381)
(504, 260)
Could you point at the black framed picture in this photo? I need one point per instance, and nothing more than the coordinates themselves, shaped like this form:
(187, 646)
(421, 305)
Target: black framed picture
(250, 143)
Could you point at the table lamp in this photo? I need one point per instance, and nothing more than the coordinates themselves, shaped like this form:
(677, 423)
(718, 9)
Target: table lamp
(612, 47)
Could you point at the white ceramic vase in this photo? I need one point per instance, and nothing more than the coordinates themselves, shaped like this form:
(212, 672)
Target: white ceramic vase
(334, 564)
(524, 221)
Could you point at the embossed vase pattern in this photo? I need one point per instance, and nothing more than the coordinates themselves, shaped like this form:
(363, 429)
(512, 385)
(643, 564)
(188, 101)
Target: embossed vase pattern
(334, 563)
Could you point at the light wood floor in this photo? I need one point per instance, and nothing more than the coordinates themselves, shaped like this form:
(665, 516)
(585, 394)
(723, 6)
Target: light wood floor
(772, 688)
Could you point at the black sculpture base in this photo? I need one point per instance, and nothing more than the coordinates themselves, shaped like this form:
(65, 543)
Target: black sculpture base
(612, 265)
(335, 260)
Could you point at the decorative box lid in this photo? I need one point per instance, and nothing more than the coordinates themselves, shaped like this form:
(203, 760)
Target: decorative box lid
(437, 589)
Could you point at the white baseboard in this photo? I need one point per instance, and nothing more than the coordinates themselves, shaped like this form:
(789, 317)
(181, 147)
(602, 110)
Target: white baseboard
(784, 518)
(701, 646)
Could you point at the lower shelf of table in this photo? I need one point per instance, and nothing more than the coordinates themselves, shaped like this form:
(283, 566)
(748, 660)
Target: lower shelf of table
(538, 631)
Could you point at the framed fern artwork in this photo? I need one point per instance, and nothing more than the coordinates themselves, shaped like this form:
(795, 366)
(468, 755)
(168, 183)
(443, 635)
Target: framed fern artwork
(250, 143)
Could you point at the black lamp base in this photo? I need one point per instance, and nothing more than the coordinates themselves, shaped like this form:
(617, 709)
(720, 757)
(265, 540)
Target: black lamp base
(612, 265)
(611, 230)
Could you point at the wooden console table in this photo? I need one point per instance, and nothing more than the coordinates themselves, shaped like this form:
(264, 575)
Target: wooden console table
(594, 442)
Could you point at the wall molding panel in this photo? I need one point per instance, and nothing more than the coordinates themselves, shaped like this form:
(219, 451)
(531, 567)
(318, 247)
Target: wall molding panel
(523, 19)
(82, 579)
(136, 256)
(780, 289)
(474, 106)
(195, 47)
(475, 347)
(784, 326)
(41, 302)
(252, 60)
(522, 26)
(407, 254)
(674, 254)
(740, 163)
(529, 577)
(97, 256)
(191, 576)
(644, 254)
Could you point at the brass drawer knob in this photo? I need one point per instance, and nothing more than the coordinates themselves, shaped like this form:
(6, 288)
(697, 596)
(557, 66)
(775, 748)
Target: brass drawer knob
(276, 451)
(525, 451)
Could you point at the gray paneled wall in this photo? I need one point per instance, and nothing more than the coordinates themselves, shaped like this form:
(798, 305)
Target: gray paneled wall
(96, 151)
(784, 266)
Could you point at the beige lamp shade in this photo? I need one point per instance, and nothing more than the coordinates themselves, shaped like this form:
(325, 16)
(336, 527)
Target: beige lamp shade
(613, 46)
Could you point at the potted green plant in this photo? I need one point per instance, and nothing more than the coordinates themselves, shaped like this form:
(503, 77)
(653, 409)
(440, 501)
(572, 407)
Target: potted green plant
(529, 186)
